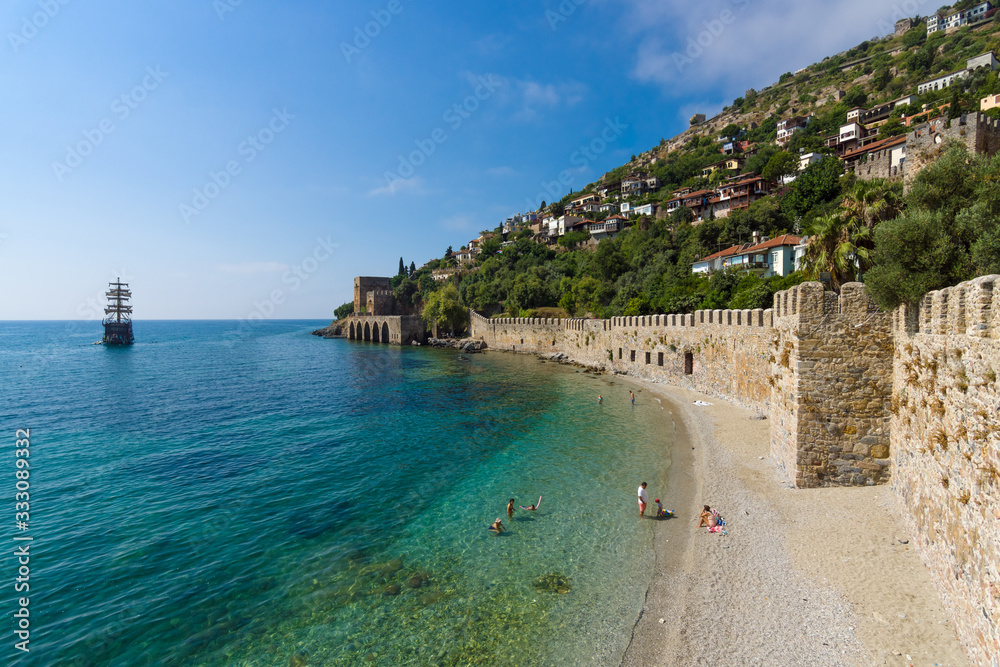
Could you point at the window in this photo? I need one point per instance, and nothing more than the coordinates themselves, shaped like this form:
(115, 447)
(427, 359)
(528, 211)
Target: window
(659, 358)
(619, 353)
(688, 363)
(632, 356)
(647, 357)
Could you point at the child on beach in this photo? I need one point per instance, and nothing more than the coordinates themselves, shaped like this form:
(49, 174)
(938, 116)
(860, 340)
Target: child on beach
(660, 512)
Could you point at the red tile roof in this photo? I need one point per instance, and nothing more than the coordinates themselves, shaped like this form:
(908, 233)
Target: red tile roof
(733, 250)
(783, 240)
(878, 145)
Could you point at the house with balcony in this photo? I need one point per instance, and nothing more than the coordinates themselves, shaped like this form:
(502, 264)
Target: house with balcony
(699, 203)
(583, 200)
(645, 209)
(766, 258)
(608, 228)
(741, 194)
(608, 207)
(634, 185)
(956, 20)
(610, 189)
(789, 126)
(730, 164)
(566, 223)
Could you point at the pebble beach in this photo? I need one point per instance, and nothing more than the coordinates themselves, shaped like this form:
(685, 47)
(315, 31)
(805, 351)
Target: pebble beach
(802, 577)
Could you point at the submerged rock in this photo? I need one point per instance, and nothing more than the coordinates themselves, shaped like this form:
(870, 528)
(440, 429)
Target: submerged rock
(300, 659)
(417, 580)
(392, 589)
(553, 583)
(430, 598)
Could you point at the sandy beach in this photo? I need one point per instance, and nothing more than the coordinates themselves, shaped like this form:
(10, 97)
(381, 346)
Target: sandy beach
(803, 577)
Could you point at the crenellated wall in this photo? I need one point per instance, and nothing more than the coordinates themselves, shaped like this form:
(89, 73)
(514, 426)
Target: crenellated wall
(816, 364)
(946, 450)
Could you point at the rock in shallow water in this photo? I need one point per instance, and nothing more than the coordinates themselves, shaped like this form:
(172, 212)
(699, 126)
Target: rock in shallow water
(553, 583)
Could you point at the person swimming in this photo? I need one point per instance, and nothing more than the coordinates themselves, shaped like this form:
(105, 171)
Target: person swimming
(510, 508)
(532, 508)
(497, 526)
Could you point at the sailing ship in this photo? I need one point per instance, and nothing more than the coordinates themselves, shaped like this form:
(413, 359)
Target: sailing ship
(118, 320)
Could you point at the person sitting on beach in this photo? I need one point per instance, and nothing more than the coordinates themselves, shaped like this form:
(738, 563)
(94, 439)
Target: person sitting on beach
(510, 508)
(532, 508)
(497, 526)
(707, 518)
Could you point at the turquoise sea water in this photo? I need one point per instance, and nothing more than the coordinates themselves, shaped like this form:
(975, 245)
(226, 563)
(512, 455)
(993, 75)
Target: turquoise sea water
(274, 498)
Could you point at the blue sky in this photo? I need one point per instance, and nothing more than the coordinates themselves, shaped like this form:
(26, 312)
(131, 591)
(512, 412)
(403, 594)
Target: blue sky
(233, 157)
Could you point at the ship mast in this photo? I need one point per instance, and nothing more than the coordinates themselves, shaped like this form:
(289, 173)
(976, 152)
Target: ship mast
(118, 312)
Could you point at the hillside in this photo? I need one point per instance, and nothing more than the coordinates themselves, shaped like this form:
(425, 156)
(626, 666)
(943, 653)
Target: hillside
(646, 267)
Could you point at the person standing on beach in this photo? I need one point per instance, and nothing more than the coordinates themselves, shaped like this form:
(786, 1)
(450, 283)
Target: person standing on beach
(643, 499)
(510, 508)
(631, 397)
(600, 399)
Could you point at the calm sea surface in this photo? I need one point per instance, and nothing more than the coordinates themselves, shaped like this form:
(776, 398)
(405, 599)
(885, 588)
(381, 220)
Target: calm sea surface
(267, 497)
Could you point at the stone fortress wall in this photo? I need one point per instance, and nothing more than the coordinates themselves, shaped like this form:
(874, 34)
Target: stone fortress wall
(854, 397)
(945, 445)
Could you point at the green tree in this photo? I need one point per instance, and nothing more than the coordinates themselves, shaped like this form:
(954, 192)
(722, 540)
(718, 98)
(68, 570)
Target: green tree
(755, 163)
(781, 164)
(818, 184)
(343, 311)
(830, 250)
(557, 209)
(442, 308)
(402, 268)
(413, 268)
(572, 239)
(915, 37)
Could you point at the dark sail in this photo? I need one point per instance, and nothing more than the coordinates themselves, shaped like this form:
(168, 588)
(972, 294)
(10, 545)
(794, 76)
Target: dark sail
(118, 320)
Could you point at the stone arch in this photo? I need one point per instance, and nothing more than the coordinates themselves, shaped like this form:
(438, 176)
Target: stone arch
(376, 331)
(351, 335)
(385, 332)
(368, 331)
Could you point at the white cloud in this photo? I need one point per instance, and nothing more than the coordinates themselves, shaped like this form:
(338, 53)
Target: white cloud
(253, 267)
(412, 185)
(531, 99)
(735, 44)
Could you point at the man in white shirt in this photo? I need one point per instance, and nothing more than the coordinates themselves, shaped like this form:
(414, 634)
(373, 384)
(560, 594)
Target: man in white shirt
(643, 499)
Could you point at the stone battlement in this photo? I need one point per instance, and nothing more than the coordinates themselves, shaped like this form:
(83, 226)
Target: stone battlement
(968, 309)
(855, 396)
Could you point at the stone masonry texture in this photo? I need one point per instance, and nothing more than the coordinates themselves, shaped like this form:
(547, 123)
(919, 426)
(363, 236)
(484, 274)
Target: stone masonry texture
(855, 396)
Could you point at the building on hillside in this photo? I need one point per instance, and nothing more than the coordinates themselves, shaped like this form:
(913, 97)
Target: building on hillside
(610, 189)
(463, 256)
(902, 26)
(789, 126)
(739, 195)
(714, 261)
(990, 102)
(732, 163)
(645, 209)
(942, 81)
(566, 223)
(584, 199)
(608, 228)
(609, 207)
(955, 20)
(881, 159)
(634, 185)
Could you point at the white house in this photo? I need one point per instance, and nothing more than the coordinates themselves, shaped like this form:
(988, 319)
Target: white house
(626, 208)
(608, 207)
(941, 82)
(564, 222)
(957, 19)
(985, 60)
(645, 209)
(608, 228)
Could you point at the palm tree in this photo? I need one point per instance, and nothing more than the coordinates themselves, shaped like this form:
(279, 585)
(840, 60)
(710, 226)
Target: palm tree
(865, 205)
(830, 249)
